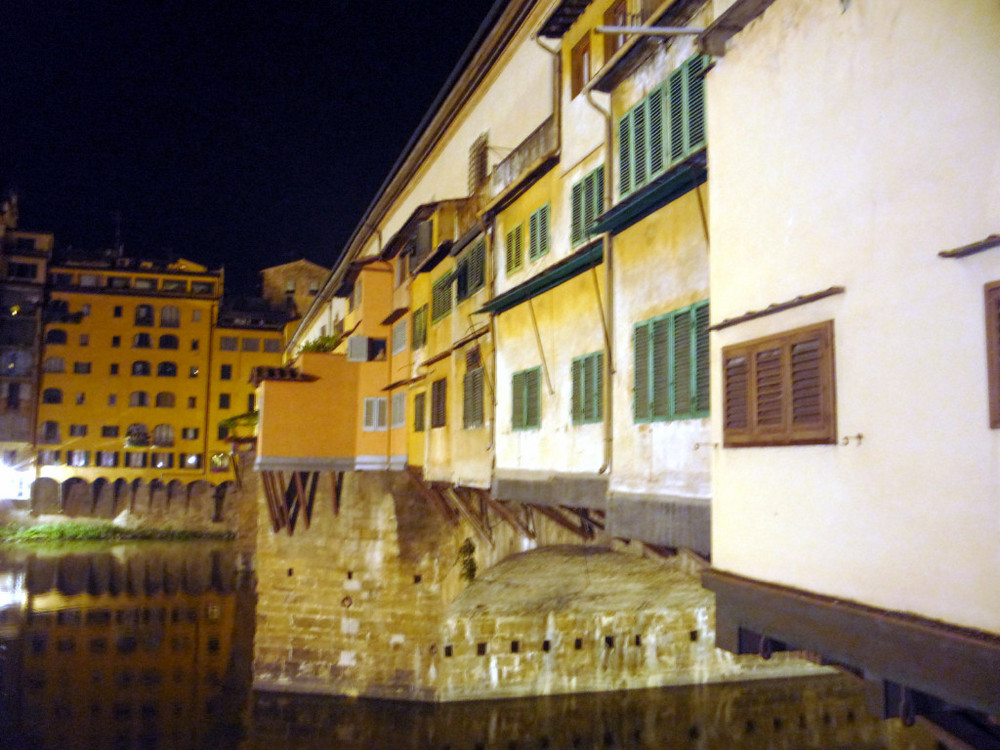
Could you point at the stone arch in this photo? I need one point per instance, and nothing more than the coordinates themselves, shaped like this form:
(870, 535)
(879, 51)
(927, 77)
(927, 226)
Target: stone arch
(76, 500)
(97, 487)
(200, 500)
(219, 497)
(157, 497)
(45, 498)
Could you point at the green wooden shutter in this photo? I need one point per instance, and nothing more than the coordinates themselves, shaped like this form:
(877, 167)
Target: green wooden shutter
(533, 236)
(683, 362)
(517, 401)
(543, 228)
(659, 365)
(654, 107)
(625, 155)
(675, 92)
(419, 410)
(576, 214)
(696, 103)
(639, 163)
(533, 399)
(589, 184)
(702, 372)
(640, 404)
(578, 390)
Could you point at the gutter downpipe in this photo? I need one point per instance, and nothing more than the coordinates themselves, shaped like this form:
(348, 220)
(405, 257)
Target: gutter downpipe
(607, 317)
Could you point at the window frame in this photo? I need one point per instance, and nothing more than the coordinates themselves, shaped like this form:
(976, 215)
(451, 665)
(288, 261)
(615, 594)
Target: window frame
(586, 204)
(473, 400)
(375, 417)
(420, 411)
(418, 336)
(587, 382)
(526, 388)
(440, 310)
(581, 65)
(539, 232)
(754, 432)
(439, 403)
(514, 249)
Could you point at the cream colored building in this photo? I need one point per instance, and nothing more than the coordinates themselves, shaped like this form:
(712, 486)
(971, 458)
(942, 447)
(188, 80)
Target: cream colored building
(855, 200)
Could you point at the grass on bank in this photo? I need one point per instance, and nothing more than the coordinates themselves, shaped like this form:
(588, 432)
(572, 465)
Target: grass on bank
(99, 532)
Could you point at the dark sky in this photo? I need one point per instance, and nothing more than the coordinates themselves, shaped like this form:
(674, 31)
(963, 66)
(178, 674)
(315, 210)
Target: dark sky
(225, 131)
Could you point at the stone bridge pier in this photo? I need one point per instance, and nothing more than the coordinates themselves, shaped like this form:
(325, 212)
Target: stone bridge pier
(378, 584)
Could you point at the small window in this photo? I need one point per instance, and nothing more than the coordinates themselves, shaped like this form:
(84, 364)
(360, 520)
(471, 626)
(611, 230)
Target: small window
(399, 409)
(779, 390)
(52, 396)
(85, 337)
(189, 433)
(78, 430)
(138, 398)
(193, 371)
(80, 398)
(399, 336)
(192, 402)
(112, 399)
(587, 375)
(163, 436)
(50, 432)
(107, 459)
(89, 280)
(226, 372)
(586, 204)
(136, 459)
(195, 344)
(118, 282)
(479, 164)
(141, 367)
(196, 316)
(251, 345)
(223, 400)
(117, 311)
(55, 336)
(202, 287)
(616, 15)
(441, 298)
(114, 368)
(169, 341)
(228, 343)
(272, 346)
(165, 400)
(190, 461)
(419, 336)
(144, 315)
(419, 411)
(109, 431)
(472, 399)
(313, 288)
(170, 316)
(116, 341)
(174, 285)
(142, 341)
(81, 368)
(514, 249)
(223, 432)
(470, 271)
(145, 283)
(580, 65)
(439, 403)
(167, 369)
(526, 399)
(78, 458)
(54, 364)
(375, 414)
(48, 458)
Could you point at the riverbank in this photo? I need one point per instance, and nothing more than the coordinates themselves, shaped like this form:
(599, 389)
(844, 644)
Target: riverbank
(71, 531)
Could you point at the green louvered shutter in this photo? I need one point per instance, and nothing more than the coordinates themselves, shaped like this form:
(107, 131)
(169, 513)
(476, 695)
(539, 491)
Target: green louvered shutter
(675, 91)
(517, 400)
(654, 106)
(543, 229)
(589, 185)
(660, 345)
(578, 390)
(625, 155)
(641, 384)
(576, 214)
(639, 144)
(533, 236)
(532, 399)
(683, 360)
(695, 105)
(702, 371)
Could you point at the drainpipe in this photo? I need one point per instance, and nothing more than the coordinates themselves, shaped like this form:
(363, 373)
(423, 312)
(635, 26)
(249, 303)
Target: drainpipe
(609, 369)
(491, 289)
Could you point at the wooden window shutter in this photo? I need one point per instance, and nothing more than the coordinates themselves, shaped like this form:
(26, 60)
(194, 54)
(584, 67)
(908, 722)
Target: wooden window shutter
(439, 403)
(625, 155)
(702, 377)
(517, 400)
(660, 362)
(472, 399)
(578, 390)
(514, 248)
(543, 229)
(779, 390)
(641, 381)
(992, 295)
(419, 411)
(576, 214)
(532, 398)
(639, 144)
(533, 236)
(681, 366)
(654, 105)
(675, 90)
(695, 105)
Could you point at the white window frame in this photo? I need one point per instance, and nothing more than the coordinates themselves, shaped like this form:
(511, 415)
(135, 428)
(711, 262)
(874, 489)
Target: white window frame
(399, 336)
(376, 409)
(399, 405)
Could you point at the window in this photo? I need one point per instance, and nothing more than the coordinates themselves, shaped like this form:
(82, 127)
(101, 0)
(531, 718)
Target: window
(441, 298)
(165, 400)
(664, 128)
(313, 288)
(671, 365)
(579, 66)
(192, 402)
(13, 395)
(992, 296)
(142, 341)
(272, 345)
(226, 372)
(78, 458)
(107, 459)
(144, 315)
(399, 336)
(137, 436)
(251, 345)
(439, 403)
(586, 204)
(514, 249)
(526, 399)
(196, 316)
(189, 433)
(354, 301)
(112, 399)
(375, 414)
(55, 336)
(588, 393)
(202, 287)
(169, 341)
(218, 462)
(48, 458)
(117, 311)
(174, 285)
(471, 270)
(114, 368)
(141, 367)
(144, 282)
(251, 402)
(420, 327)
(167, 369)
(22, 270)
(81, 368)
(138, 398)
(135, 460)
(289, 286)
(85, 337)
(170, 316)
(472, 399)
(228, 343)
(223, 400)
(54, 364)
(222, 433)
(193, 371)
(190, 461)
(52, 396)
(538, 233)
(78, 430)
(779, 390)
(399, 409)
(419, 411)
(109, 431)
(479, 164)
(80, 398)
(163, 435)
(116, 341)
(195, 344)
(616, 15)
(89, 280)
(50, 432)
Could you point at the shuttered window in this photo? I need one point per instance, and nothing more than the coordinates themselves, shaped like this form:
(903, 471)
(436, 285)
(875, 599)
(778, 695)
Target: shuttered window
(441, 298)
(399, 409)
(993, 350)
(399, 337)
(514, 249)
(472, 399)
(420, 327)
(538, 233)
(664, 128)
(526, 399)
(376, 414)
(439, 403)
(419, 411)
(779, 390)
(671, 365)
(586, 204)
(470, 271)
(588, 378)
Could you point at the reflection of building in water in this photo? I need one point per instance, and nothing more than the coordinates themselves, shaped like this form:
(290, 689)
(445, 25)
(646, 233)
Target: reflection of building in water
(136, 657)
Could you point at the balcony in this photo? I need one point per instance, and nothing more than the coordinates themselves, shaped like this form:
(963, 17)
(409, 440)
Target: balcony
(531, 157)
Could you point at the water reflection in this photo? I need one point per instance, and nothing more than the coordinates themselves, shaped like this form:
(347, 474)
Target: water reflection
(131, 646)
(150, 646)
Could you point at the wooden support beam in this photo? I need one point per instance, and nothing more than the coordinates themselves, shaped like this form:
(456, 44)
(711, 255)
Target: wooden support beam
(585, 515)
(554, 514)
(432, 497)
(337, 482)
(507, 514)
(300, 492)
(473, 518)
(273, 500)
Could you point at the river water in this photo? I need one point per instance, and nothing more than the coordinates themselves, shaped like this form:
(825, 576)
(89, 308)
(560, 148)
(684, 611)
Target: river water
(151, 646)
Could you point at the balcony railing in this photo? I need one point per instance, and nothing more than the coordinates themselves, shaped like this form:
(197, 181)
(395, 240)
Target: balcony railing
(540, 145)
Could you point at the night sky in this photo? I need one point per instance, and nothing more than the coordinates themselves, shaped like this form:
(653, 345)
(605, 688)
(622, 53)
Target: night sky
(232, 132)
